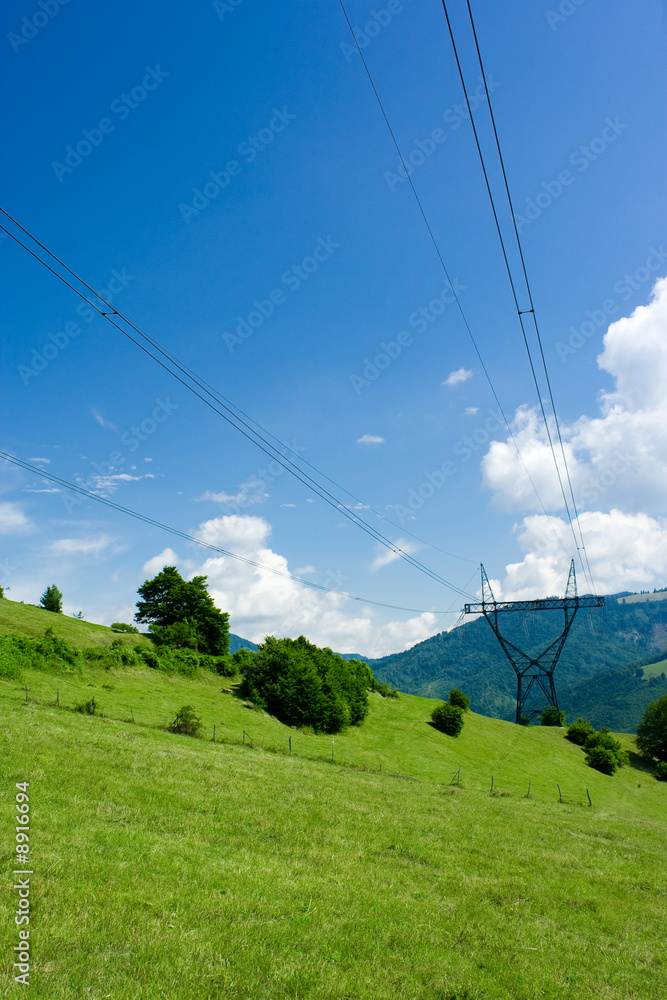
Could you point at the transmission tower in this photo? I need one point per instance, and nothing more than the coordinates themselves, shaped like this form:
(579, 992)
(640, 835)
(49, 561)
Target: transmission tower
(531, 670)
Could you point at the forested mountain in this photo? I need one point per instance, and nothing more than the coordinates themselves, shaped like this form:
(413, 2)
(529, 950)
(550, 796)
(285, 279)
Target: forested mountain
(591, 678)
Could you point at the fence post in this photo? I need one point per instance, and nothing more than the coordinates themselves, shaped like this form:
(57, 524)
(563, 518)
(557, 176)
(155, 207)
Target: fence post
(244, 737)
(458, 777)
(26, 694)
(290, 744)
(214, 734)
(491, 792)
(528, 792)
(58, 697)
(332, 748)
(132, 713)
(589, 797)
(560, 794)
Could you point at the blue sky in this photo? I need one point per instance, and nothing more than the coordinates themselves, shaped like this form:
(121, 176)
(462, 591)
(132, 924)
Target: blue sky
(225, 173)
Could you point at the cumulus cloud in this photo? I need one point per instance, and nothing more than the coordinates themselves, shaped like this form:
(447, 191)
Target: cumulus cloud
(12, 518)
(625, 552)
(262, 603)
(617, 458)
(252, 491)
(386, 556)
(460, 375)
(370, 439)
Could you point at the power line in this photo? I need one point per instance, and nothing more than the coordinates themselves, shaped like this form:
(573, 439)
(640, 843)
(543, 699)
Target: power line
(200, 541)
(581, 550)
(429, 229)
(232, 418)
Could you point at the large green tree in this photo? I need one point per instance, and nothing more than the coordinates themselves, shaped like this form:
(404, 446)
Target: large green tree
(303, 685)
(182, 613)
(52, 599)
(652, 730)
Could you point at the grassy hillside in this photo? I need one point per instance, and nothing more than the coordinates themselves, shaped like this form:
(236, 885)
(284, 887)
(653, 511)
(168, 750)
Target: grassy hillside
(172, 867)
(29, 620)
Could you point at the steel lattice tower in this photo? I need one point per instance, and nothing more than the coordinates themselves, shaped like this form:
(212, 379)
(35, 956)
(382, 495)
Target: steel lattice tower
(531, 670)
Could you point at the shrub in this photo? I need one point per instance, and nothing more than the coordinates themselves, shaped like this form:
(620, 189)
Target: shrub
(186, 722)
(602, 760)
(551, 717)
(303, 685)
(652, 731)
(525, 720)
(89, 707)
(579, 731)
(661, 771)
(149, 656)
(459, 699)
(604, 741)
(123, 627)
(448, 719)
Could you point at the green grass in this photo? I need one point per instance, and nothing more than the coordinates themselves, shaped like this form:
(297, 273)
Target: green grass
(168, 867)
(179, 868)
(31, 621)
(655, 669)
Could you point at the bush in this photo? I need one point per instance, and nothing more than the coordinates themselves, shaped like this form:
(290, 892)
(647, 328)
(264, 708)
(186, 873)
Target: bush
(661, 771)
(186, 722)
(579, 731)
(123, 627)
(602, 760)
(551, 717)
(88, 708)
(604, 741)
(652, 731)
(448, 719)
(303, 685)
(459, 699)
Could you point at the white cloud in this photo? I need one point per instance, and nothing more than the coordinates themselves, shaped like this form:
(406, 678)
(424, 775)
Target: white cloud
(261, 603)
(251, 492)
(86, 546)
(12, 518)
(155, 565)
(460, 375)
(370, 439)
(102, 421)
(303, 570)
(109, 484)
(386, 556)
(46, 461)
(470, 411)
(616, 459)
(288, 505)
(625, 552)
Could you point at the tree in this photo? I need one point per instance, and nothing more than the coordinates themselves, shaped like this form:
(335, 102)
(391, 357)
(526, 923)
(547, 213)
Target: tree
(182, 613)
(123, 627)
(459, 699)
(303, 685)
(600, 748)
(652, 731)
(187, 723)
(448, 719)
(579, 731)
(551, 717)
(52, 599)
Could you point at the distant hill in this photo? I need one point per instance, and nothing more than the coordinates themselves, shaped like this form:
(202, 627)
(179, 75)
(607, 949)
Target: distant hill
(236, 642)
(601, 643)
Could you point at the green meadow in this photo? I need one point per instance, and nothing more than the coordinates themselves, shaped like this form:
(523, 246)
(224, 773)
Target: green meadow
(171, 867)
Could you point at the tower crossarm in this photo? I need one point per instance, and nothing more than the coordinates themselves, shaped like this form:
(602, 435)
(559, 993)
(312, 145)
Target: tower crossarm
(547, 604)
